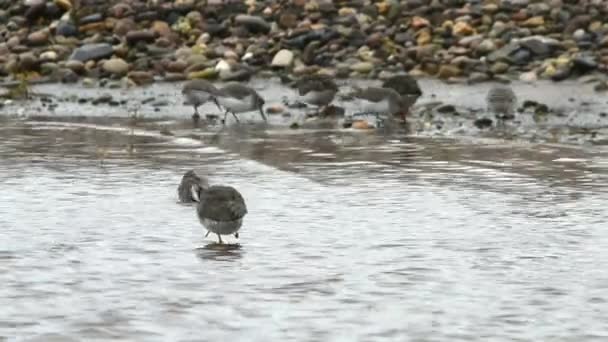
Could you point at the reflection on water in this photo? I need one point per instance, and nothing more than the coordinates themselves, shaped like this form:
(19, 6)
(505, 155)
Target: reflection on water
(349, 236)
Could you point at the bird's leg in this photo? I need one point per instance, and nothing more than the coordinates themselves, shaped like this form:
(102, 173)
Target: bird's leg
(236, 235)
(196, 116)
(225, 115)
(321, 110)
(220, 238)
(208, 232)
(217, 104)
(235, 117)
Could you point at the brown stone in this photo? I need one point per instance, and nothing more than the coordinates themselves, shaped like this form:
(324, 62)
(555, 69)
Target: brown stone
(534, 22)
(161, 28)
(177, 66)
(288, 20)
(134, 37)
(124, 26)
(39, 37)
(448, 71)
(93, 27)
(419, 22)
(463, 29)
(141, 77)
(424, 37)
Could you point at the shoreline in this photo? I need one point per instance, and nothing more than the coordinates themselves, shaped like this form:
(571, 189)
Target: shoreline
(574, 114)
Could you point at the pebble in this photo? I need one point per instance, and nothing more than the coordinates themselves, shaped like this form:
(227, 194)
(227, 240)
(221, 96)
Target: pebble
(175, 39)
(283, 58)
(92, 52)
(116, 66)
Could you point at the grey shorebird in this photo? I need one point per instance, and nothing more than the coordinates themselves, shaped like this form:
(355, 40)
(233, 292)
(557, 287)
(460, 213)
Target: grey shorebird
(501, 101)
(190, 187)
(221, 210)
(317, 90)
(199, 92)
(381, 101)
(237, 98)
(407, 87)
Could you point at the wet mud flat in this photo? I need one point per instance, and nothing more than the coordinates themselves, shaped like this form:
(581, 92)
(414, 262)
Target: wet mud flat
(570, 112)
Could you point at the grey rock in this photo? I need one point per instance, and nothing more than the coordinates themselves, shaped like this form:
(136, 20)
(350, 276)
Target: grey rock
(504, 53)
(253, 23)
(66, 29)
(92, 52)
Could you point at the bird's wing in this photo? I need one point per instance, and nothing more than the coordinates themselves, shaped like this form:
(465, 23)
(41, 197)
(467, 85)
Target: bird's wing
(221, 203)
(236, 90)
(372, 94)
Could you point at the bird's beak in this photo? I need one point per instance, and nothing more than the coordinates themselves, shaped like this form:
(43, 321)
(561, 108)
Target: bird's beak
(194, 192)
(262, 114)
(217, 104)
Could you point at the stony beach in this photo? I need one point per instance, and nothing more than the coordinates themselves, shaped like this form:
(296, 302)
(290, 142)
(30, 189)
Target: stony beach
(140, 42)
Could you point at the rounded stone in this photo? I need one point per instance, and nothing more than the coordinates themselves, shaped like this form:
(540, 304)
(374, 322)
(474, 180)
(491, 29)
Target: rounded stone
(283, 58)
(116, 66)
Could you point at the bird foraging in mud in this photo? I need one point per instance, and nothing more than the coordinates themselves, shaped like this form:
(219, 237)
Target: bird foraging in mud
(220, 209)
(501, 101)
(317, 90)
(381, 101)
(237, 98)
(199, 92)
(190, 187)
(407, 87)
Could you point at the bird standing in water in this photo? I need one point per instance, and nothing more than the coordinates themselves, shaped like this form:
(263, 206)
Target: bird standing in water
(501, 101)
(220, 210)
(408, 88)
(317, 90)
(199, 92)
(380, 101)
(190, 187)
(237, 98)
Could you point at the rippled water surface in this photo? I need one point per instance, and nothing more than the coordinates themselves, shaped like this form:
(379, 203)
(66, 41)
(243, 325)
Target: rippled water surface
(350, 236)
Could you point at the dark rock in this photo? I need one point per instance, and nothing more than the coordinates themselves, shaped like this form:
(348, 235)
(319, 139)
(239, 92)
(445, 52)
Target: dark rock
(447, 109)
(104, 98)
(483, 123)
(253, 23)
(135, 37)
(561, 74)
(521, 57)
(66, 29)
(537, 47)
(92, 18)
(28, 61)
(584, 64)
(68, 76)
(601, 87)
(35, 11)
(92, 52)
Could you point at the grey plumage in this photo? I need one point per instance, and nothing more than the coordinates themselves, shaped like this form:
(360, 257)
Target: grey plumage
(238, 98)
(501, 100)
(190, 187)
(199, 92)
(317, 90)
(405, 85)
(221, 210)
(380, 100)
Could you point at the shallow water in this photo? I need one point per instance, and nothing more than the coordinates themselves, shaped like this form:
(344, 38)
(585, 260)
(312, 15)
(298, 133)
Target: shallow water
(349, 236)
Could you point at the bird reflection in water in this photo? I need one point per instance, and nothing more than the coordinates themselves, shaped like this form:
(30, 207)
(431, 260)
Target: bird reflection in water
(220, 252)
